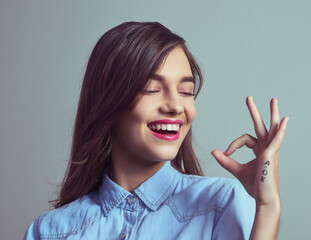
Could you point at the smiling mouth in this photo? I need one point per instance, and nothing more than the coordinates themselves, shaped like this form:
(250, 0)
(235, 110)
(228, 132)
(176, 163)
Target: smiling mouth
(165, 129)
(164, 132)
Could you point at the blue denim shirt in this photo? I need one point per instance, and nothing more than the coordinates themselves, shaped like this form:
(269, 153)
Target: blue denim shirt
(169, 205)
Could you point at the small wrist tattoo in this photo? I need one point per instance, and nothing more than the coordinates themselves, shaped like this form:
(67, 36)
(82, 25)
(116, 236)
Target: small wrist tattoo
(265, 171)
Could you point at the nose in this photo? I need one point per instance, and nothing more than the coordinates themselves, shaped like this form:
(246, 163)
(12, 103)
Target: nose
(172, 105)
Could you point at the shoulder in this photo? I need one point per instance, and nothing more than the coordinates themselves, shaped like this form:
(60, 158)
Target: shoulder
(202, 195)
(68, 219)
(214, 189)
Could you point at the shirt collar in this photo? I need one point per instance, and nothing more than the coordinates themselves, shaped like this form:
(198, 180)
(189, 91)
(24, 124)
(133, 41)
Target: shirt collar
(152, 192)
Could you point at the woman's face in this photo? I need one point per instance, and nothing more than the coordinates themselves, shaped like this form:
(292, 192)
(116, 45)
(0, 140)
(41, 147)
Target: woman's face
(156, 127)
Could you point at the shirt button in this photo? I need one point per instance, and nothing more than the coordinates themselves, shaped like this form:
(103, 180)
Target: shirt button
(131, 200)
(123, 235)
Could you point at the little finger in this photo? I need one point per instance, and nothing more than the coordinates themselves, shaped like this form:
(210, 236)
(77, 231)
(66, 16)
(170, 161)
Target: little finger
(277, 141)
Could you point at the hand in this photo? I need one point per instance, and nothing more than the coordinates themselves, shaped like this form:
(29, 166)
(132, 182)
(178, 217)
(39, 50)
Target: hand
(259, 176)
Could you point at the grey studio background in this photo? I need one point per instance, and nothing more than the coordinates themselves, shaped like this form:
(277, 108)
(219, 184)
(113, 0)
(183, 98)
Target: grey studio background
(257, 48)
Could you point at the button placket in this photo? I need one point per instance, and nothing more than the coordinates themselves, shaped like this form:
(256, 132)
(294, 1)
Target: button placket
(130, 207)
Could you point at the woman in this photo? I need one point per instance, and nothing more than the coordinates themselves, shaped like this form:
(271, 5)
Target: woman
(133, 173)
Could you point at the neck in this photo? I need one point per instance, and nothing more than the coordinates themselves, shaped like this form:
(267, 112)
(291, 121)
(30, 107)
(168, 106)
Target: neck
(129, 174)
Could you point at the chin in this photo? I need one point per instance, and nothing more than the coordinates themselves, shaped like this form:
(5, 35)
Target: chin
(165, 156)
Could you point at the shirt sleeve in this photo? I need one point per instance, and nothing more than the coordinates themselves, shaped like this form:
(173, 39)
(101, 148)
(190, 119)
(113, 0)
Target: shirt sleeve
(32, 231)
(236, 219)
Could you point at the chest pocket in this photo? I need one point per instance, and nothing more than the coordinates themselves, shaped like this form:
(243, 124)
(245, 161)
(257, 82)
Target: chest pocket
(200, 198)
(187, 212)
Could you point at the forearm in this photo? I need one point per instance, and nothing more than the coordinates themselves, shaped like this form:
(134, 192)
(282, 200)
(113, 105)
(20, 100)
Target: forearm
(266, 223)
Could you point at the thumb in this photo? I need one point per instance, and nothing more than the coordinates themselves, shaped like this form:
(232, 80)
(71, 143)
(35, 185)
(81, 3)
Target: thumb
(227, 163)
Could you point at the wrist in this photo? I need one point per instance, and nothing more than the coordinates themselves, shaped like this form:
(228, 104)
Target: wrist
(266, 222)
(271, 209)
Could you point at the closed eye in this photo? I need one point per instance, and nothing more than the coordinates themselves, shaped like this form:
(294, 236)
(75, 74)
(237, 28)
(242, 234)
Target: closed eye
(150, 91)
(156, 91)
(188, 93)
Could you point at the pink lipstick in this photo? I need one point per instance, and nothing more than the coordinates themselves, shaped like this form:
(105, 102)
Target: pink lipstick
(166, 129)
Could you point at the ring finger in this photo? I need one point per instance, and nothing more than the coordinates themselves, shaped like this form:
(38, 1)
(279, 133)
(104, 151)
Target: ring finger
(274, 119)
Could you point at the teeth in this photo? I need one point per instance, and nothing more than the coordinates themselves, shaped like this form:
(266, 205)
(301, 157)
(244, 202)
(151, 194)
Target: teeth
(168, 127)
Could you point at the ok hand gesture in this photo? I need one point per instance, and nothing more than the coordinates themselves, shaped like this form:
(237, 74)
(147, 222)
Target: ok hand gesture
(260, 175)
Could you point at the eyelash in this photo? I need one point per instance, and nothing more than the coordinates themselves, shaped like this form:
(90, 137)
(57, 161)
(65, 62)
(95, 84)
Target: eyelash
(188, 94)
(155, 91)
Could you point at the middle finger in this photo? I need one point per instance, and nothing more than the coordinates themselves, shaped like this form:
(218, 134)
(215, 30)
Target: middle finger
(260, 128)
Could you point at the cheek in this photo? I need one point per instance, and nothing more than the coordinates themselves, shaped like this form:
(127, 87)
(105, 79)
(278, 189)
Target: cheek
(128, 124)
(190, 111)
(138, 115)
(143, 109)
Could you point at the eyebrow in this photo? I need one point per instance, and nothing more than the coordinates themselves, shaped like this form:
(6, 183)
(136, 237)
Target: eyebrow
(161, 78)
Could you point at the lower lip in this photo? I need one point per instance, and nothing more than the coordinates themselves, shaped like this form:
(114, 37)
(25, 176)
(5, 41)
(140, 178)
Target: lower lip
(166, 137)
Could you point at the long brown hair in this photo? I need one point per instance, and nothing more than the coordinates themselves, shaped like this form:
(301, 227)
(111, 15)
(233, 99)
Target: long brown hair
(121, 63)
